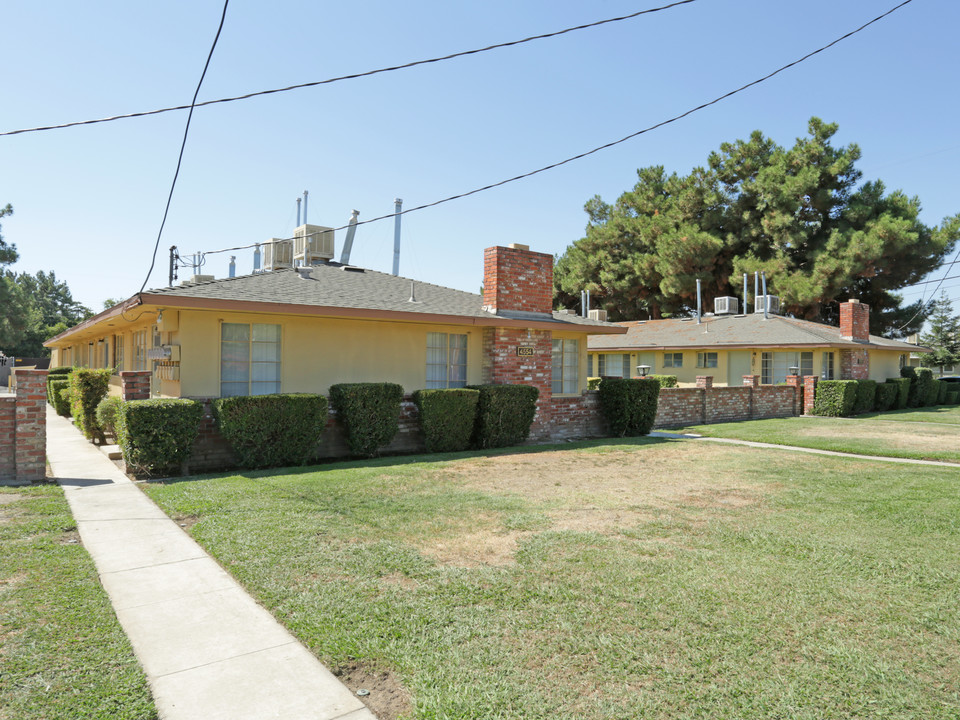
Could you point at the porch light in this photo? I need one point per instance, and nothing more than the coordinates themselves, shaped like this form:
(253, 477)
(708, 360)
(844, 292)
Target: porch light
(643, 370)
(794, 370)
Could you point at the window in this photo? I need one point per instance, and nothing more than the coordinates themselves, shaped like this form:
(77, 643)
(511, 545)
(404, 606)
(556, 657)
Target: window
(826, 372)
(249, 359)
(706, 360)
(672, 360)
(614, 365)
(775, 366)
(446, 360)
(566, 360)
(590, 365)
(140, 350)
(118, 353)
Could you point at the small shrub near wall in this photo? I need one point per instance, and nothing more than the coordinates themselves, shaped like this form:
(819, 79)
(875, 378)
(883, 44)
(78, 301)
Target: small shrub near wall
(107, 413)
(886, 396)
(447, 417)
(593, 383)
(369, 413)
(866, 392)
(272, 430)
(835, 398)
(87, 388)
(903, 392)
(504, 414)
(666, 381)
(57, 373)
(59, 400)
(156, 436)
(629, 406)
(926, 388)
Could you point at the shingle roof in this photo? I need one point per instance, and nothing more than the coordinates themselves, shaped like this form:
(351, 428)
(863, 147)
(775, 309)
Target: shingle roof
(751, 330)
(337, 286)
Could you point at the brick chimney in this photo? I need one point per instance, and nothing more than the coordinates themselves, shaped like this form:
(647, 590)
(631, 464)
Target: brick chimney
(518, 280)
(855, 321)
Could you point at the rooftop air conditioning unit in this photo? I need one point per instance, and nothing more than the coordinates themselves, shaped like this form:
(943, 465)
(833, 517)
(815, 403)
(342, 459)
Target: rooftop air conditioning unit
(725, 306)
(773, 304)
(278, 254)
(600, 315)
(312, 243)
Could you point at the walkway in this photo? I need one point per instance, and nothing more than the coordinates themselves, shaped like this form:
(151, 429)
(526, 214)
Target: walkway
(209, 651)
(796, 448)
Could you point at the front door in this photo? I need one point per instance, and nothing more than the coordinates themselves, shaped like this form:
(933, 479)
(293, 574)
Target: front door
(738, 365)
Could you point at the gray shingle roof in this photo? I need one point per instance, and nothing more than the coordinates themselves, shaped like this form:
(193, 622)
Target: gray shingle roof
(733, 331)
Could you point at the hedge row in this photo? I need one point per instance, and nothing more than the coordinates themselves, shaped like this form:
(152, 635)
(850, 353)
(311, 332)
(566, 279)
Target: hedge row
(87, 388)
(56, 374)
(630, 406)
(157, 435)
(447, 417)
(58, 390)
(916, 388)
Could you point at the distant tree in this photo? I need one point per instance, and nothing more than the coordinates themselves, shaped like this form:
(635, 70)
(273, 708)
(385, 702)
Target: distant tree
(944, 335)
(15, 316)
(798, 214)
(110, 302)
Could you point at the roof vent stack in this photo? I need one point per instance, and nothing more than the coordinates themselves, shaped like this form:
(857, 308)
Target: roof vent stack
(397, 205)
(348, 242)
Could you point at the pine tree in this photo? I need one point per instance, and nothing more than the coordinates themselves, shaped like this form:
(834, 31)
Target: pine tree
(944, 335)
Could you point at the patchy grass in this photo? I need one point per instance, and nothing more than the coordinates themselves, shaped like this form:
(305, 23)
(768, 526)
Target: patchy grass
(62, 651)
(635, 579)
(904, 434)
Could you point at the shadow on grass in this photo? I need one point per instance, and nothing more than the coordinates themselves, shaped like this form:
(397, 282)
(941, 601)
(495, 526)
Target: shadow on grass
(404, 460)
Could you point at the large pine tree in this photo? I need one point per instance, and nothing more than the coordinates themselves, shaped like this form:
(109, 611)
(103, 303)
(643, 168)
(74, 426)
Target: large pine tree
(944, 335)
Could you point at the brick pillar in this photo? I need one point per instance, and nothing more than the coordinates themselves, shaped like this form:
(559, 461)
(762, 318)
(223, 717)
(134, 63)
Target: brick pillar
(704, 381)
(796, 382)
(751, 380)
(505, 365)
(8, 439)
(809, 391)
(136, 384)
(30, 455)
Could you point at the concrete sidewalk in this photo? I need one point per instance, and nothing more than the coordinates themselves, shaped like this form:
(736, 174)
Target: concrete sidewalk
(209, 651)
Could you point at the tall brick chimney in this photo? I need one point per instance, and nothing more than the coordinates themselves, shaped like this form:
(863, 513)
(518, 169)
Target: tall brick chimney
(518, 280)
(855, 321)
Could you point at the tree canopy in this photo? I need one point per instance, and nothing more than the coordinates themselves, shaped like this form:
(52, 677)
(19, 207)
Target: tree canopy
(944, 335)
(801, 215)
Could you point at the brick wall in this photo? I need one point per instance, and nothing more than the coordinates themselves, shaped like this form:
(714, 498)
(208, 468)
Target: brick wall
(515, 278)
(705, 405)
(854, 364)
(570, 418)
(726, 404)
(135, 384)
(23, 430)
(855, 321)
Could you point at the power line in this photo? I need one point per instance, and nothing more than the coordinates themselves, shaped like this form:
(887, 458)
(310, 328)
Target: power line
(183, 145)
(606, 145)
(353, 76)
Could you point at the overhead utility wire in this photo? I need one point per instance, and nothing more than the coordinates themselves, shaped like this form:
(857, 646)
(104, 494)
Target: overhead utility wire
(183, 145)
(607, 145)
(925, 303)
(353, 76)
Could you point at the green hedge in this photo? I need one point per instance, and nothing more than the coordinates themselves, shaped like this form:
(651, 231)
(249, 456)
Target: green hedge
(107, 413)
(272, 430)
(447, 417)
(60, 402)
(57, 373)
(953, 397)
(886, 396)
(157, 435)
(903, 392)
(593, 383)
(504, 414)
(941, 392)
(926, 388)
(630, 406)
(913, 398)
(369, 413)
(87, 388)
(866, 393)
(835, 398)
(665, 381)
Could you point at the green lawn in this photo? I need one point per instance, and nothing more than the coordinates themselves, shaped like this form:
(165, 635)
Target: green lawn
(63, 654)
(925, 434)
(633, 579)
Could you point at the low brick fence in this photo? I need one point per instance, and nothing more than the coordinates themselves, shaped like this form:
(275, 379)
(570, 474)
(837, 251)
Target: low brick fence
(706, 404)
(23, 430)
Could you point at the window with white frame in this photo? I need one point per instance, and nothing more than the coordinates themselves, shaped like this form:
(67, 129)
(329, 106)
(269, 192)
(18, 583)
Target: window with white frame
(706, 360)
(140, 350)
(249, 359)
(610, 365)
(826, 372)
(118, 353)
(673, 360)
(446, 360)
(566, 363)
(775, 366)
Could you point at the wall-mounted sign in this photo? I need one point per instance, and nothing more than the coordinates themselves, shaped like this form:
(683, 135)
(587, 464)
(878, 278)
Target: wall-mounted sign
(525, 351)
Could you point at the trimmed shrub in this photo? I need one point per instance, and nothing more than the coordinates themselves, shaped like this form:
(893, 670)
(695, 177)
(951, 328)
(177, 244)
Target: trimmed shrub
(866, 392)
(87, 388)
(57, 373)
(272, 430)
(903, 392)
(942, 392)
(953, 397)
(665, 381)
(630, 406)
(369, 412)
(447, 417)
(926, 388)
(61, 398)
(835, 398)
(593, 383)
(913, 399)
(157, 435)
(886, 396)
(107, 413)
(505, 413)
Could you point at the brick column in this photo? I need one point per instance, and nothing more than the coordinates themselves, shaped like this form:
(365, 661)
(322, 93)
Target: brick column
(8, 439)
(809, 391)
(704, 381)
(751, 380)
(796, 382)
(136, 384)
(30, 455)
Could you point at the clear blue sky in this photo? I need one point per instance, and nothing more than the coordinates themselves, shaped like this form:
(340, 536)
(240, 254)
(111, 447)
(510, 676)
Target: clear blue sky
(88, 200)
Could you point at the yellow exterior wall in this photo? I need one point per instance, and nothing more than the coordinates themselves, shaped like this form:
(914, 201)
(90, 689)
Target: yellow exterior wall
(885, 364)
